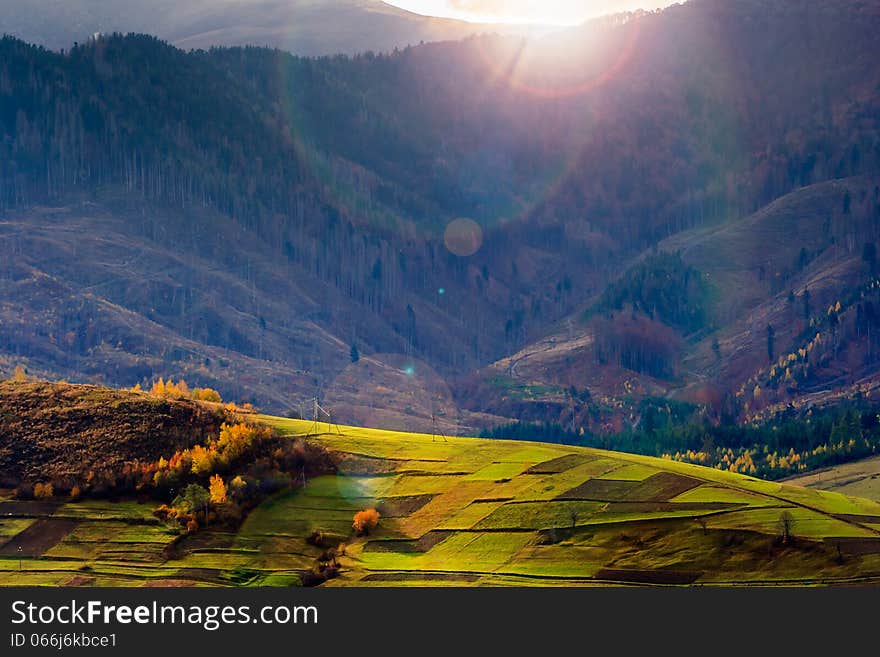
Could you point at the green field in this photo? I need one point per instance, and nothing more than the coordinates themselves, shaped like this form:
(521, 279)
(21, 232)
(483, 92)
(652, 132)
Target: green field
(469, 512)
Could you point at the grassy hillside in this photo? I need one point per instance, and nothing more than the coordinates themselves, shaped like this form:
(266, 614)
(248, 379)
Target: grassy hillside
(496, 512)
(860, 478)
(465, 511)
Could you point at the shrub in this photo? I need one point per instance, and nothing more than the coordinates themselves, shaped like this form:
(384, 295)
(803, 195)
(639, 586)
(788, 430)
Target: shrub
(206, 394)
(193, 498)
(365, 520)
(43, 491)
(165, 513)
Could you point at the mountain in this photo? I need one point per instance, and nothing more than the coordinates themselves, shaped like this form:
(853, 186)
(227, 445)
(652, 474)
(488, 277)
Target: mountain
(692, 318)
(638, 190)
(304, 27)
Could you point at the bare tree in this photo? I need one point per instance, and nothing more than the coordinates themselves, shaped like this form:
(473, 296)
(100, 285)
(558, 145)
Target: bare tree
(573, 515)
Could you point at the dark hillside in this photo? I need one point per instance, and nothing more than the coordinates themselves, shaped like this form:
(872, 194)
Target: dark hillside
(52, 431)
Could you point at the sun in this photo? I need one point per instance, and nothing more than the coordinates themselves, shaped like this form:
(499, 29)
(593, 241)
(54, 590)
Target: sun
(539, 12)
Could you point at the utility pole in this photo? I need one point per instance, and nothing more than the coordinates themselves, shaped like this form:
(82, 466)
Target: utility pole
(434, 430)
(318, 409)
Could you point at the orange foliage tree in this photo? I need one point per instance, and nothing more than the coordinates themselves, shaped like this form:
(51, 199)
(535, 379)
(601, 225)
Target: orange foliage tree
(43, 491)
(365, 520)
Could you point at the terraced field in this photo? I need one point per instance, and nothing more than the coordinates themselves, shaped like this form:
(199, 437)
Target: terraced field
(467, 511)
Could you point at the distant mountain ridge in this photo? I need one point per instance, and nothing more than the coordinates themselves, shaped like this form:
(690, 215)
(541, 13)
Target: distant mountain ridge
(304, 27)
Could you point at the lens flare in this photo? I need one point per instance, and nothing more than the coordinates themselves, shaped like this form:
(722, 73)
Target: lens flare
(565, 68)
(463, 237)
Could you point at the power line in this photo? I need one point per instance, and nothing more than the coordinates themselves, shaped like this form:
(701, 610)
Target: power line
(316, 421)
(434, 430)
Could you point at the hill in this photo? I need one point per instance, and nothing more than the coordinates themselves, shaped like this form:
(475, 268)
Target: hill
(858, 478)
(57, 431)
(464, 511)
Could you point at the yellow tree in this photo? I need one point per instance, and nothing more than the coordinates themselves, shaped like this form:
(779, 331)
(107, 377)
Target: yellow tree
(217, 489)
(203, 460)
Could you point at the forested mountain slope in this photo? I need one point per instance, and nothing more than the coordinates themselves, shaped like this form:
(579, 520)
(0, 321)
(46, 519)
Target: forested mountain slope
(249, 207)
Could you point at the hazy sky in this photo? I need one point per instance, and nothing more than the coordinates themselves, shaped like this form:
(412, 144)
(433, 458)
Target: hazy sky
(559, 12)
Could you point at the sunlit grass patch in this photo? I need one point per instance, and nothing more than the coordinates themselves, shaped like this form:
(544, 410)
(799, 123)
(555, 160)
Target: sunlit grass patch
(9, 527)
(632, 472)
(422, 484)
(124, 510)
(538, 515)
(804, 523)
(723, 494)
(830, 501)
(470, 515)
(498, 471)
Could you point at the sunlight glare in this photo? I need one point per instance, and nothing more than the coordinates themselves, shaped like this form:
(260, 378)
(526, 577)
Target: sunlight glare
(538, 12)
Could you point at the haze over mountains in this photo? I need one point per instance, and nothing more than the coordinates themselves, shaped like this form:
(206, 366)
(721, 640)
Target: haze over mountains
(304, 27)
(670, 203)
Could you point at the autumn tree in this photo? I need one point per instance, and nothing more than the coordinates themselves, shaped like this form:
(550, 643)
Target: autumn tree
(364, 521)
(204, 460)
(158, 388)
(19, 374)
(43, 491)
(217, 490)
(238, 485)
(207, 394)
